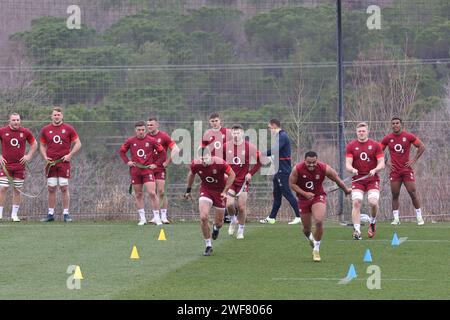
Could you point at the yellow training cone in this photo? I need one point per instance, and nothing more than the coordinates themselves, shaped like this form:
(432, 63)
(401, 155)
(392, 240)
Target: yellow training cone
(162, 235)
(77, 275)
(134, 253)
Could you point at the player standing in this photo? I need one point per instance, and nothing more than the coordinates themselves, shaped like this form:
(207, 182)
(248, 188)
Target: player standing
(142, 147)
(399, 145)
(14, 139)
(57, 139)
(160, 162)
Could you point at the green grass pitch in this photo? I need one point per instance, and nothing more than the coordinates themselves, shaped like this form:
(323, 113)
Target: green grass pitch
(272, 262)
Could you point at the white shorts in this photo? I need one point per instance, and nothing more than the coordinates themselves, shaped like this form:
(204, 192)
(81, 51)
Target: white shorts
(4, 182)
(54, 181)
(371, 194)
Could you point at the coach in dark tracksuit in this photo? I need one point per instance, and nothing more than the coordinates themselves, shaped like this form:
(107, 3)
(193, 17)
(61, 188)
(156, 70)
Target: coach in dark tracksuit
(282, 159)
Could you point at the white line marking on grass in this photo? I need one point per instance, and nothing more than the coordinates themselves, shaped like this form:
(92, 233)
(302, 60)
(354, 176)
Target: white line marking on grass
(346, 280)
(400, 240)
(16, 225)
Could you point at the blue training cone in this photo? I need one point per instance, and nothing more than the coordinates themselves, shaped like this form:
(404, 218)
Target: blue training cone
(395, 241)
(367, 256)
(351, 272)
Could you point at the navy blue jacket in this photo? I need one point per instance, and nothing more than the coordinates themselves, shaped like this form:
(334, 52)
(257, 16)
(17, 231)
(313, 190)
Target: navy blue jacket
(282, 153)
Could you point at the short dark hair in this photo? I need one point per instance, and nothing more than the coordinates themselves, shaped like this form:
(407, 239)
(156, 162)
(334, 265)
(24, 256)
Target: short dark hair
(139, 124)
(311, 154)
(275, 122)
(213, 115)
(397, 118)
(152, 119)
(237, 126)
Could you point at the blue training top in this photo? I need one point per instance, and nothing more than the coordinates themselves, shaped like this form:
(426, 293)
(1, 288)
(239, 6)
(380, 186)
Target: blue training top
(282, 152)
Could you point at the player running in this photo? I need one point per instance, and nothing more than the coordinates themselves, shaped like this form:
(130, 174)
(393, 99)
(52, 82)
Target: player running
(240, 154)
(216, 136)
(213, 192)
(13, 159)
(142, 147)
(364, 157)
(399, 144)
(306, 179)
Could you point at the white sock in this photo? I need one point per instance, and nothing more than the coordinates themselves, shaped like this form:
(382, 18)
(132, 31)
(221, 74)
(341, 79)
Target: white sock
(357, 227)
(234, 219)
(311, 237)
(163, 214)
(241, 227)
(51, 211)
(15, 210)
(208, 242)
(65, 211)
(419, 213)
(316, 245)
(141, 214)
(395, 213)
(373, 220)
(156, 215)
(1, 212)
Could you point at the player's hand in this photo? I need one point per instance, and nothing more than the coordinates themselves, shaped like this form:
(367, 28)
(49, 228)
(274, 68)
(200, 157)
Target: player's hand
(25, 159)
(348, 191)
(309, 195)
(223, 195)
(165, 164)
(2, 160)
(131, 164)
(187, 196)
(355, 171)
(410, 163)
(248, 177)
(372, 172)
(152, 166)
(67, 157)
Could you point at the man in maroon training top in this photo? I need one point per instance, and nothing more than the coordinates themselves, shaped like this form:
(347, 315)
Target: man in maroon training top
(240, 154)
(364, 157)
(14, 139)
(142, 147)
(160, 162)
(213, 192)
(56, 140)
(399, 145)
(306, 179)
(216, 137)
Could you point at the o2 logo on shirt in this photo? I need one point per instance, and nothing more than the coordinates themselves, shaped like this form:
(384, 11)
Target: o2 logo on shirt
(364, 157)
(57, 139)
(141, 153)
(399, 148)
(309, 185)
(237, 161)
(217, 145)
(15, 143)
(211, 180)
